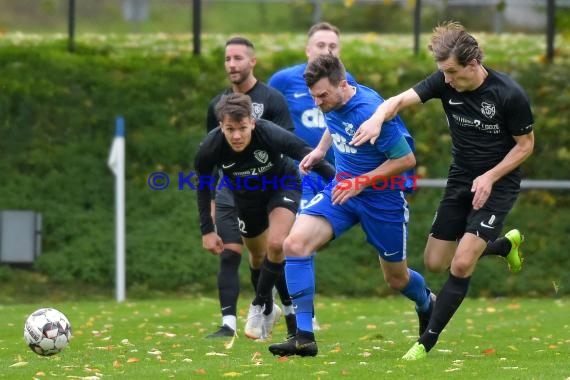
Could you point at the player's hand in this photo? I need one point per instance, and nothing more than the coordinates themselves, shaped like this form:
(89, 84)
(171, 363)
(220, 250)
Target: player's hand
(346, 189)
(368, 131)
(309, 160)
(213, 243)
(481, 188)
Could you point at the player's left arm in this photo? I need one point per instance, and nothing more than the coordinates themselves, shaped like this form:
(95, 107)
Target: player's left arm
(482, 185)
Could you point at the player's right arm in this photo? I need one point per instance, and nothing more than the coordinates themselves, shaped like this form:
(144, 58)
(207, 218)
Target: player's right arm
(316, 154)
(204, 164)
(370, 129)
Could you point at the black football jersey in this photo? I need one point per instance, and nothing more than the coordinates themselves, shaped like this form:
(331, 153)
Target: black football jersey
(267, 103)
(482, 122)
(262, 162)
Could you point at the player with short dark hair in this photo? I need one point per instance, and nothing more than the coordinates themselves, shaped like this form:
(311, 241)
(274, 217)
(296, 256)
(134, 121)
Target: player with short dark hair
(267, 103)
(491, 126)
(322, 38)
(382, 210)
(252, 156)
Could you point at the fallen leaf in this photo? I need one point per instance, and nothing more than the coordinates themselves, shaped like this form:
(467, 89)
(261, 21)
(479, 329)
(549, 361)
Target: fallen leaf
(200, 371)
(370, 326)
(117, 364)
(104, 348)
(215, 354)
(282, 359)
(489, 351)
(336, 349)
(229, 344)
(19, 364)
(133, 360)
(256, 358)
(232, 374)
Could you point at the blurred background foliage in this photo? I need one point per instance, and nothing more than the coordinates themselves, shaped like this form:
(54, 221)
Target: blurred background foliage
(57, 112)
(276, 16)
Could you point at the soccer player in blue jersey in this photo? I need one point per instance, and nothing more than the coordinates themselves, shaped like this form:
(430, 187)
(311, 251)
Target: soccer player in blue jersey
(491, 126)
(323, 38)
(356, 195)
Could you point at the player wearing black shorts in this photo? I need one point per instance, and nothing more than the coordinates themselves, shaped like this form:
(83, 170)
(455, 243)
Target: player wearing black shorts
(269, 104)
(491, 127)
(266, 186)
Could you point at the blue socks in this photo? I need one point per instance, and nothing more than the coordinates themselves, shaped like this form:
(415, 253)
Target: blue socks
(301, 283)
(416, 291)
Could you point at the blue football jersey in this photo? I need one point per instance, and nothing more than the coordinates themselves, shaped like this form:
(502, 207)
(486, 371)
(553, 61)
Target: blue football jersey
(343, 123)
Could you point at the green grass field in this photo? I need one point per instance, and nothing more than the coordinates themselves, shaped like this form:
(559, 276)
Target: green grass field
(487, 339)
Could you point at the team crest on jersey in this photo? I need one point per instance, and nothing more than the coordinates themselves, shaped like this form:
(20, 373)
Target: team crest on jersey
(488, 109)
(257, 110)
(261, 156)
(349, 128)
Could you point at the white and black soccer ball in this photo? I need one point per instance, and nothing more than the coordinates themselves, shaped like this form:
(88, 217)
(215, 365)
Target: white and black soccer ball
(47, 331)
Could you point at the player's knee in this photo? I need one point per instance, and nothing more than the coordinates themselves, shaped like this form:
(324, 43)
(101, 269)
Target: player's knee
(275, 245)
(292, 246)
(434, 262)
(435, 266)
(462, 267)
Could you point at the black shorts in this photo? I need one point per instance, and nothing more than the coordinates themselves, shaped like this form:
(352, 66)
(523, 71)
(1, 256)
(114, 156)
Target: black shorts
(253, 214)
(455, 215)
(227, 225)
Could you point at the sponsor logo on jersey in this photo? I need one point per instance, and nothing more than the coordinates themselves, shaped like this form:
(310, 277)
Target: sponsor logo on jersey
(454, 103)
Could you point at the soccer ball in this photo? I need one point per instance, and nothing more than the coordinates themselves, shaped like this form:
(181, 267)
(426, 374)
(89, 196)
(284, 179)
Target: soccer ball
(47, 331)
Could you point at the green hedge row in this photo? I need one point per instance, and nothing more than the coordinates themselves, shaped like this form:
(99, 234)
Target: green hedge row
(57, 114)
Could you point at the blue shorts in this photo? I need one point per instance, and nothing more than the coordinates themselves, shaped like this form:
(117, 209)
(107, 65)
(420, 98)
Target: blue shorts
(311, 185)
(388, 237)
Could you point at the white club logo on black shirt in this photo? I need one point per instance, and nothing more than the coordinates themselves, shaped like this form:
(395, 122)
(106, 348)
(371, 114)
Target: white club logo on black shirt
(488, 109)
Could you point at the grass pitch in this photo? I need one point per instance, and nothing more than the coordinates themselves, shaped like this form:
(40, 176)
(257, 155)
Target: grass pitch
(487, 339)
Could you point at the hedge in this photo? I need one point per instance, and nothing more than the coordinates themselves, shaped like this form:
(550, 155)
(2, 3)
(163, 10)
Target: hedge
(57, 114)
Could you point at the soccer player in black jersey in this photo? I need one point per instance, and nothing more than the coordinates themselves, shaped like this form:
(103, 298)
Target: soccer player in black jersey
(491, 128)
(266, 186)
(269, 104)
